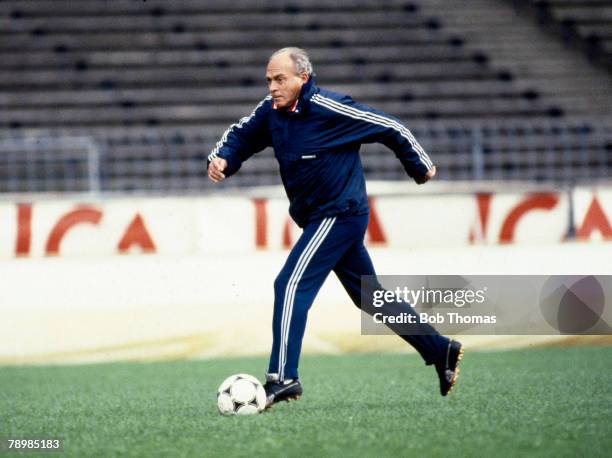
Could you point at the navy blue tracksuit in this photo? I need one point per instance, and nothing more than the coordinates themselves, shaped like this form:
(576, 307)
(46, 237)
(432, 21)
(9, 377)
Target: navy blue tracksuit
(317, 147)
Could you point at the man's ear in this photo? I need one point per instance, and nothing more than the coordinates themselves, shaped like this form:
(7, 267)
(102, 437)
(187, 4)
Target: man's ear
(304, 77)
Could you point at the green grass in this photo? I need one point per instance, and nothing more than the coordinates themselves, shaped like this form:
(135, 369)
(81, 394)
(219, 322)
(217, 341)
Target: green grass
(545, 402)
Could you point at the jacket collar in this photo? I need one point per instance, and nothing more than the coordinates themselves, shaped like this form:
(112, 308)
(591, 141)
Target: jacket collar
(303, 101)
(308, 89)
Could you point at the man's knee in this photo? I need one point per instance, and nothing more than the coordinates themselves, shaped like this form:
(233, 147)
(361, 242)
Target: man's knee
(280, 283)
(362, 292)
(370, 288)
(355, 298)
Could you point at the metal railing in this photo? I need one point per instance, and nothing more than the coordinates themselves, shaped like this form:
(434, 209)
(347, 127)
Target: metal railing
(49, 164)
(174, 160)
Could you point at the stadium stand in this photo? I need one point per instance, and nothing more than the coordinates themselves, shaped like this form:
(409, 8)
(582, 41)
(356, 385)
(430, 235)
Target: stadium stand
(585, 23)
(127, 95)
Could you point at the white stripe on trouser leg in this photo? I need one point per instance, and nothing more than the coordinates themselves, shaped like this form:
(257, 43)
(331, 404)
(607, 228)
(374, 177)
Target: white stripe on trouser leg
(288, 291)
(293, 289)
(292, 286)
(296, 269)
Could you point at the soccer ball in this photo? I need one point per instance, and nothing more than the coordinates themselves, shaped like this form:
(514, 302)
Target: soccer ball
(241, 394)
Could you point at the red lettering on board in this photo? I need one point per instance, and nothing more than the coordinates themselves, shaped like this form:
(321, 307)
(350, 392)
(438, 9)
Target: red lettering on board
(136, 234)
(24, 230)
(594, 220)
(539, 201)
(81, 215)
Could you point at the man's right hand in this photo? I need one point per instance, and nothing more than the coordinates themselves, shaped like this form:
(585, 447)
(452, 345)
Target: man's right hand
(216, 168)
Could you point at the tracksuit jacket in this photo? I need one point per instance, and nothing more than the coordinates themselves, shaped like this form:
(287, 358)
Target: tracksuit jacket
(316, 143)
(317, 146)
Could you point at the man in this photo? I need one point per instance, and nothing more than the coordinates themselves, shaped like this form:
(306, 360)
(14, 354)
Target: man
(316, 135)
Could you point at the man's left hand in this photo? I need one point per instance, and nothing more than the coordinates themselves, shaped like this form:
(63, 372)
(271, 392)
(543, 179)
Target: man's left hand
(428, 176)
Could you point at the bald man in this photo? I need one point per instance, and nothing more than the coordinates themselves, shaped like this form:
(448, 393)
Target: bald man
(316, 135)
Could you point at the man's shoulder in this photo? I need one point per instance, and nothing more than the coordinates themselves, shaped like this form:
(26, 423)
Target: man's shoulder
(330, 103)
(261, 110)
(326, 94)
(263, 105)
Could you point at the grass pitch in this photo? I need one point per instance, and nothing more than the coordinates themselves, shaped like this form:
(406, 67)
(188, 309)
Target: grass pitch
(542, 402)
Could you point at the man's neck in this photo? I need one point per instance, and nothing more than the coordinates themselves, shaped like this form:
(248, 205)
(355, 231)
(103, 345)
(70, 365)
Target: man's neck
(290, 108)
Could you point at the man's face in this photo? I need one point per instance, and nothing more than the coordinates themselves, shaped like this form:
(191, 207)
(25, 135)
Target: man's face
(284, 82)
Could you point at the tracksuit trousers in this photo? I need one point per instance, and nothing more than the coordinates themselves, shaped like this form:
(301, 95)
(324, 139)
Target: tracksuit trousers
(333, 243)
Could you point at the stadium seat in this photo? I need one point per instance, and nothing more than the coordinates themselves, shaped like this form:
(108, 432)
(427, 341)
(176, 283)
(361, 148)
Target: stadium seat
(155, 84)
